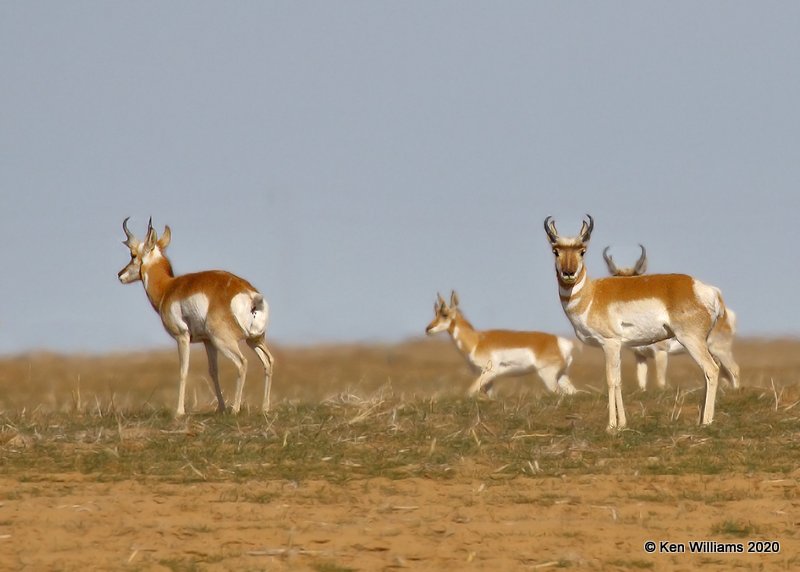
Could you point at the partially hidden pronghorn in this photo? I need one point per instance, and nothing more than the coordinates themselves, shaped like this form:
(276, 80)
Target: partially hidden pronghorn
(213, 307)
(497, 353)
(720, 339)
(635, 311)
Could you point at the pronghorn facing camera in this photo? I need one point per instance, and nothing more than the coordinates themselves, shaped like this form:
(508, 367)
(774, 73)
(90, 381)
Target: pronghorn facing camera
(213, 307)
(635, 311)
(504, 352)
(720, 341)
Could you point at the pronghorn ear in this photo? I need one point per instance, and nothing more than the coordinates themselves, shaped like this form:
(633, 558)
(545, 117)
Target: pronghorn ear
(163, 242)
(453, 299)
(150, 239)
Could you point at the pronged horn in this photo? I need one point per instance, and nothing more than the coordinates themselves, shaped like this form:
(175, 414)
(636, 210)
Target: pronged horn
(440, 300)
(550, 229)
(586, 230)
(131, 241)
(612, 268)
(641, 265)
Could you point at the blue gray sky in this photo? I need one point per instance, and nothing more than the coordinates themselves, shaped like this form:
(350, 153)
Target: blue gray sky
(352, 158)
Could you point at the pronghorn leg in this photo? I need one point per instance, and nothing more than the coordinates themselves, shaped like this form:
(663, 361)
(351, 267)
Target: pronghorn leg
(549, 376)
(232, 352)
(641, 370)
(565, 384)
(484, 380)
(183, 355)
(213, 370)
(616, 410)
(661, 358)
(557, 380)
(260, 347)
(698, 349)
(729, 366)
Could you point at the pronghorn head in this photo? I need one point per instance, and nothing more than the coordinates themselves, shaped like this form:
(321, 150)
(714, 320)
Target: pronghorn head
(443, 314)
(569, 251)
(142, 252)
(636, 270)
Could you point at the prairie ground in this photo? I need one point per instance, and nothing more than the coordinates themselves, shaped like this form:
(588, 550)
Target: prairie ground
(372, 459)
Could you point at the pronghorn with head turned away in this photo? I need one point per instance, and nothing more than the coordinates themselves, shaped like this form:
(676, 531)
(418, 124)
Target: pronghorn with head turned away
(213, 307)
(720, 341)
(636, 270)
(636, 311)
(497, 353)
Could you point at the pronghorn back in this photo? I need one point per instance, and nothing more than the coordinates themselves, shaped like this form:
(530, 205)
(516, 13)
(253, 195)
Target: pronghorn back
(546, 347)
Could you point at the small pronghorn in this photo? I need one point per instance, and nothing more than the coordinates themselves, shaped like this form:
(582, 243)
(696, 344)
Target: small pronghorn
(213, 307)
(504, 352)
(636, 311)
(720, 339)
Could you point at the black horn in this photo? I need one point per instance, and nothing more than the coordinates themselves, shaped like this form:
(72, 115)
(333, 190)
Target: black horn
(131, 240)
(641, 264)
(586, 229)
(612, 268)
(550, 229)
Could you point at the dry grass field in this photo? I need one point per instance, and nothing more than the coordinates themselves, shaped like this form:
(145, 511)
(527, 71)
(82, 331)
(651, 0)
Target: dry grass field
(373, 459)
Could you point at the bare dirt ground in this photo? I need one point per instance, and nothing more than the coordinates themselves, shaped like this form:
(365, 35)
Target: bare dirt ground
(593, 522)
(478, 516)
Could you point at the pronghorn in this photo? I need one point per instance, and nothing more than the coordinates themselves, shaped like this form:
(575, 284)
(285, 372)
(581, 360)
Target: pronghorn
(504, 352)
(213, 307)
(636, 270)
(720, 339)
(635, 311)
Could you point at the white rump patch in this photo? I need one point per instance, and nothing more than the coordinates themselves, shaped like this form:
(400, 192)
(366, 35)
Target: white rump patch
(251, 312)
(709, 296)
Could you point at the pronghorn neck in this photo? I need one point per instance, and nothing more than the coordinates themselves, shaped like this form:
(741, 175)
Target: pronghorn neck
(463, 334)
(573, 295)
(156, 277)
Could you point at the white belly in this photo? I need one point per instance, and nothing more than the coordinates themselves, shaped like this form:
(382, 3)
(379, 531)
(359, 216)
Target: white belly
(639, 322)
(513, 360)
(189, 315)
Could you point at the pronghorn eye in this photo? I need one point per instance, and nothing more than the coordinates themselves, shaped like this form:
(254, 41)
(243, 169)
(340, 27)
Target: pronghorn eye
(583, 252)
(555, 252)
